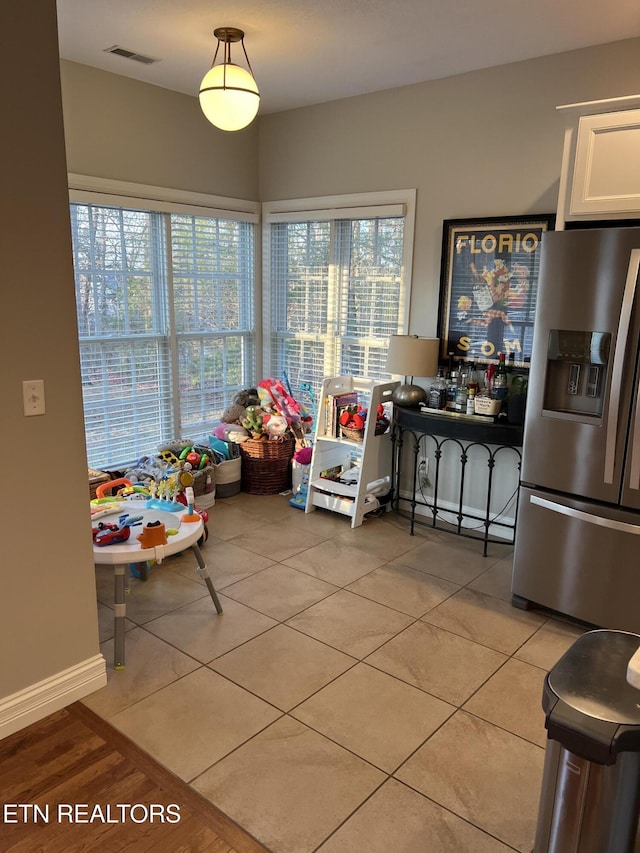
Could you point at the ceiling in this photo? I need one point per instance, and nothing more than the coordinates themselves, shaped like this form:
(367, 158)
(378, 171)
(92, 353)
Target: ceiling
(310, 51)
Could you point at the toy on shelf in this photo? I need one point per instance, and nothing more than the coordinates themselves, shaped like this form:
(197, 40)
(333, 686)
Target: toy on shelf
(353, 421)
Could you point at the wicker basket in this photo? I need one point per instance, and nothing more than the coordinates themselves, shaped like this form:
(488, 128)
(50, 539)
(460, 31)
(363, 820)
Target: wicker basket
(96, 478)
(266, 465)
(200, 480)
(358, 434)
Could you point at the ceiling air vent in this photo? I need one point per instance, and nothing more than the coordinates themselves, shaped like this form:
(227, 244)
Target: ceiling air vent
(131, 54)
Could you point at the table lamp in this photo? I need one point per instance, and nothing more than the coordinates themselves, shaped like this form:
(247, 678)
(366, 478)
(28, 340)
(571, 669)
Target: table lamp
(409, 355)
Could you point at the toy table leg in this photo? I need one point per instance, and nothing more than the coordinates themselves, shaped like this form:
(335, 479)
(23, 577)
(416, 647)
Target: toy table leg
(119, 610)
(204, 574)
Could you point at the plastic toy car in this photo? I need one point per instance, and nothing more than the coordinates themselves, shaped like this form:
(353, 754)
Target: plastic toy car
(111, 534)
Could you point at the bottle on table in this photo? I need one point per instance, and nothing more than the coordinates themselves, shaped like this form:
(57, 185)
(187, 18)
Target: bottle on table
(489, 373)
(464, 372)
(438, 391)
(473, 381)
(462, 394)
(453, 383)
(471, 401)
(462, 391)
(500, 379)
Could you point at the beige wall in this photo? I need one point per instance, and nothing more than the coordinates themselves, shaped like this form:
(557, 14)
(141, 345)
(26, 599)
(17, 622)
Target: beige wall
(125, 130)
(488, 143)
(47, 596)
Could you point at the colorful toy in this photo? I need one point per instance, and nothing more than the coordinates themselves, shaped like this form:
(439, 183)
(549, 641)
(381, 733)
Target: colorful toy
(274, 395)
(112, 534)
(193, 457)
(191, 515)
(253, 420)
(152, 535)
(276, 426)
(185, 478)
(353, 418)
(105, 509)
(303, 455)
(170, 457)
(299, 500)
(227, 432)
(110, 485)
(167, 506)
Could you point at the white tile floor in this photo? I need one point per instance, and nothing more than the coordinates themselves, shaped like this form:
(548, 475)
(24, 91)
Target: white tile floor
(364, 690)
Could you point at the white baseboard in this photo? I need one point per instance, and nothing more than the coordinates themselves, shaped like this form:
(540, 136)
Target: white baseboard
(51, 694)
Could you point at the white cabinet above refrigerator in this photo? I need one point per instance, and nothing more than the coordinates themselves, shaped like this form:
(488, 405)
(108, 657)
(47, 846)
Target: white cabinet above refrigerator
(600, 177)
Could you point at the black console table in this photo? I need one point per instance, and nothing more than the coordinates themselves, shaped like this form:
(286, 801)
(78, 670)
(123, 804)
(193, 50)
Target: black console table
(453, 432)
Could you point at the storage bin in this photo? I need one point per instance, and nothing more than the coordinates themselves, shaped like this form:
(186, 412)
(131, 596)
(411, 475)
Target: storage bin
(227, 477)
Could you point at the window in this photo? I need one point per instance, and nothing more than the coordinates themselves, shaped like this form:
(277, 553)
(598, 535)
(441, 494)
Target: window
(337, 272)
(166, 320)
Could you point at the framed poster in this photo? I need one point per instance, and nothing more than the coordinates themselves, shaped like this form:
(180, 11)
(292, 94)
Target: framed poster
(488, 286)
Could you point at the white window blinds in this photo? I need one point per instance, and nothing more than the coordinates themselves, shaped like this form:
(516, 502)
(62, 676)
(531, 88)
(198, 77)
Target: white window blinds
(165, 306)
(212, 274)
(339, 287)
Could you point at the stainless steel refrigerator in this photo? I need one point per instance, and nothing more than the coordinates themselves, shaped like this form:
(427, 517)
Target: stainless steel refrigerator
(577, 548)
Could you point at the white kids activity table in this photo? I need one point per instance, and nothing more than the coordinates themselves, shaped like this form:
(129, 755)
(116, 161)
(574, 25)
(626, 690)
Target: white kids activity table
(123, 554)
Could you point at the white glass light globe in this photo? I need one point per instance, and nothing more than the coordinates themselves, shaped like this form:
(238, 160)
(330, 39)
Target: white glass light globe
(229, 108)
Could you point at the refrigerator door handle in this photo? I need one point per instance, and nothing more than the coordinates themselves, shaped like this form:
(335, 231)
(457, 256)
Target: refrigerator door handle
(578, 514)
(618, 365)
(634, 467)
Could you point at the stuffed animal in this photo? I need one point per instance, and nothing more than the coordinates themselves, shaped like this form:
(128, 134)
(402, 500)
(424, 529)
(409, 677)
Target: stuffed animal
(231, 432)
(234, 414)
(254, 420)
(276, 426)
(274, 395)
(303, 455)
(246, 398)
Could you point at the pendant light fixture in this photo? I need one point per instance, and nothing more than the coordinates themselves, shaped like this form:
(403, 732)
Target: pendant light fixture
(229, 96)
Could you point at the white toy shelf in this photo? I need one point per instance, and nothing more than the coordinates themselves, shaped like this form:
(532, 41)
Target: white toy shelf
(363, 468)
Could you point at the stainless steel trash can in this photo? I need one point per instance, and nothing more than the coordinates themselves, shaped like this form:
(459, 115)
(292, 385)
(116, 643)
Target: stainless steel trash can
(590, 799)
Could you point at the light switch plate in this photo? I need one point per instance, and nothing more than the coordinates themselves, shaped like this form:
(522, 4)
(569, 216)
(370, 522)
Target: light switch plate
(33, 396)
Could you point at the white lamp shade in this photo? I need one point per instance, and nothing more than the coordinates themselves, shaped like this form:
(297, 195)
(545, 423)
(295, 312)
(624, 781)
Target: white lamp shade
(409, 355)
(229, 100)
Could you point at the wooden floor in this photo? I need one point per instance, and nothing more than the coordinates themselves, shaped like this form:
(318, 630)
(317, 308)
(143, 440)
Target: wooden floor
(74, 759)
